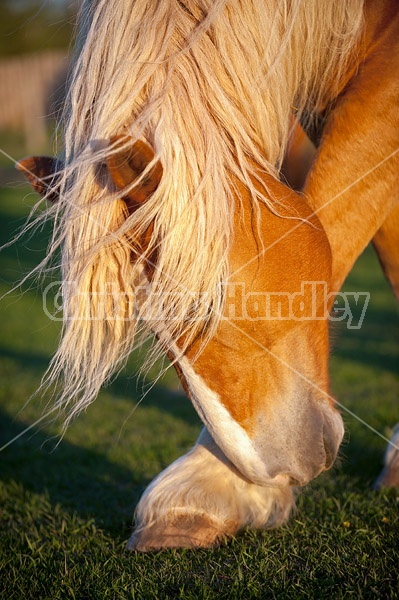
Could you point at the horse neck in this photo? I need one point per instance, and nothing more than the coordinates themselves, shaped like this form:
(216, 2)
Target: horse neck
(352, 185)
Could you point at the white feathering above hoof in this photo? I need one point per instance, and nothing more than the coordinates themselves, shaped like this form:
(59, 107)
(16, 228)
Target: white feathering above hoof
(200, 500)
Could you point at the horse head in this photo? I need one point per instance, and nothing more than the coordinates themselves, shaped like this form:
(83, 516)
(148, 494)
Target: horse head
(260, 384)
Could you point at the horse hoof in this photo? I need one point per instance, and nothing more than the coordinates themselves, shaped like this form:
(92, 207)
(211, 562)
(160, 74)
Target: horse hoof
(389, 477)
(185, 531)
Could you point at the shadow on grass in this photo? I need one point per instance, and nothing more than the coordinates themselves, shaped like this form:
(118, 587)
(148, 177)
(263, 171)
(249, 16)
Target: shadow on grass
(38, 362)
(80, 480)
(85, 480)
(171, 401)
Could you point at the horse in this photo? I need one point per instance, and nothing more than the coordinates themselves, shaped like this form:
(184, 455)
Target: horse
(173, 218)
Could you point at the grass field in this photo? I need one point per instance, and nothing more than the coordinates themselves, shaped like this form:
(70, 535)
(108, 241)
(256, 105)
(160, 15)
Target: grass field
(66, 510)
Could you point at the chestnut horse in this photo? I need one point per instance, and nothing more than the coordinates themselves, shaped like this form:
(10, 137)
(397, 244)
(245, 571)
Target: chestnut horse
(181, 225)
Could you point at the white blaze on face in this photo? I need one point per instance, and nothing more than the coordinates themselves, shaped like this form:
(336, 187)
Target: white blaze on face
(295, 442)
(231, 438)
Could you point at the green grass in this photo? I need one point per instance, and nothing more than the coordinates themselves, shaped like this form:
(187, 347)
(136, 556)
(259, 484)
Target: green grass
(66, 510)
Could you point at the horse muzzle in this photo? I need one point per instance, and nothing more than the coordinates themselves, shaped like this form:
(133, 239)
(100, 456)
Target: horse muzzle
(299, 445)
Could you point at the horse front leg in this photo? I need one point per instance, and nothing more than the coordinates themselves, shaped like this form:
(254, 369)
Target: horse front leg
(201, 499)
(386, 244)
(389, 476)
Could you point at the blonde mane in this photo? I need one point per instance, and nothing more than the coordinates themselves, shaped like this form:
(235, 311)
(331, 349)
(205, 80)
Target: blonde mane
(210, 85)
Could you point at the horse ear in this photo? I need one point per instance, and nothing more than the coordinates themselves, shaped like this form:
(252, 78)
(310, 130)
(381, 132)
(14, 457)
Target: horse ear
(41, 171)
(128, 164)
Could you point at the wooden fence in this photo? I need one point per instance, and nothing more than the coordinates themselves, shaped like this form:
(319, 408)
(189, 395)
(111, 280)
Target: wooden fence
(31, 90)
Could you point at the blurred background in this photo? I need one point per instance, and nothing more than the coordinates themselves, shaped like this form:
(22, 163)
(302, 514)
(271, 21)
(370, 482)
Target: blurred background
(35, 38)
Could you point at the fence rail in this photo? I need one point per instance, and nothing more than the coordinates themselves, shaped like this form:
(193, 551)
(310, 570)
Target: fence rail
(30, 88)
